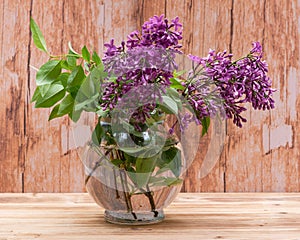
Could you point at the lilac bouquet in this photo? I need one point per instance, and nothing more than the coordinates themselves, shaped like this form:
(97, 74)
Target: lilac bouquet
(216, 83)
(133, 89)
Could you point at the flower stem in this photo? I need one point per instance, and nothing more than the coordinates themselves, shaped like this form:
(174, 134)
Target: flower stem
(149, 194)
(116, 187)
(98, 164)
(126, 193)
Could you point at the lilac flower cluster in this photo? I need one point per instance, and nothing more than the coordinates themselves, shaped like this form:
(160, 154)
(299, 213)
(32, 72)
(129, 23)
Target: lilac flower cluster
(159, 32)
(184, 120)
(146, 58)
(217, 85)
(139, 59)
(204, 97)
(241, 81)
(136, 105)
(114, 91)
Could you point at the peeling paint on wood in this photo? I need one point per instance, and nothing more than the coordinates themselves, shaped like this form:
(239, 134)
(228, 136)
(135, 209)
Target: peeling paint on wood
(281, 136)
(276, 137)
(38, 156)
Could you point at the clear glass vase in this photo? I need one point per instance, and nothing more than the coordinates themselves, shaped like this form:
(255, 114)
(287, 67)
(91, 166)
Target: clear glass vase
(133, 176)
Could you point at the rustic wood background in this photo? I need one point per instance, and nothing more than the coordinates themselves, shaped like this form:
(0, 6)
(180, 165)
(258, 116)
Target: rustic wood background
(38, 156)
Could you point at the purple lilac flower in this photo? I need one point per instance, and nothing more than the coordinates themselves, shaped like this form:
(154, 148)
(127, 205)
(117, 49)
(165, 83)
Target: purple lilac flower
(185, 120)
(204, 97)
(149, 59)
(140, 58)
(159, 32)
(114, 91)
(111, 48)
(257, 48)
(244, 80)
(138, 104)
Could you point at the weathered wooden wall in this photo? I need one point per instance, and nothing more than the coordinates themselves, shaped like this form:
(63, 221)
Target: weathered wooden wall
(38, 156)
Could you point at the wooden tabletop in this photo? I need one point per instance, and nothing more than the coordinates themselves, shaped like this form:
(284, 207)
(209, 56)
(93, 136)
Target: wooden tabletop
(191, 216)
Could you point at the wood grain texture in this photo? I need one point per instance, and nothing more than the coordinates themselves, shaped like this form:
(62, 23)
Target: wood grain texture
(269, 153)
(190, 216)
(13, 83)
(244, 153)
(38, 156)
(282, 38)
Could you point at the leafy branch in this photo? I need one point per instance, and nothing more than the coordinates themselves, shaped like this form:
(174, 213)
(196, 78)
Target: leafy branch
(70, 83)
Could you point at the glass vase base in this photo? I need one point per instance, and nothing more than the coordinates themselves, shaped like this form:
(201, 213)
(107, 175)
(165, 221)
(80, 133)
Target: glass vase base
(125, 218)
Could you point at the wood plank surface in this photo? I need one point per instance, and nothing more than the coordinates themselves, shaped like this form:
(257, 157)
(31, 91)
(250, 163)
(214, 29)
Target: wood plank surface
(14, 45)
(263, 156)
(269, 153)
(190, 216)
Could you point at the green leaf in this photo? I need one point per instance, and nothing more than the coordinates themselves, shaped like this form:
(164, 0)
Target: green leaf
(86, 104)
(64, 65)
(170, 142)
(66, 105)
(36, 95)
(75, 115)
(130, 160)
(112, 79)
(168, 156)
(168, 105)
(44, 89)
(144, 169)
(63, 78)
(171, 92)
(117, 162)
(88, 94)
(37, 36)
(173, 181)
(54, 112)
(94, 78)
(48, 73)
(101, 113)
(96, 58)
(72, 58)
(98, 134)
(164, 181)
(55, 93)
(89, 91)
(176, 84)
(71, 62)
(156, 180)
(205, 122)
(170, 160)
(177, 74)
(76, 77)
(85, 54)
(132, 174)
